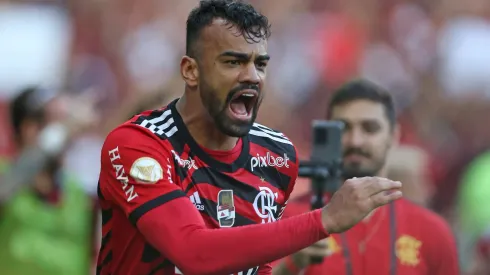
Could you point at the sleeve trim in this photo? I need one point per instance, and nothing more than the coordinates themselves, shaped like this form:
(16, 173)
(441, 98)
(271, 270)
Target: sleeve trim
(152, 204)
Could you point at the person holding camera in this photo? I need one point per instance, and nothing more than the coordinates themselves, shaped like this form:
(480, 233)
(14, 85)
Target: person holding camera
(396, 239)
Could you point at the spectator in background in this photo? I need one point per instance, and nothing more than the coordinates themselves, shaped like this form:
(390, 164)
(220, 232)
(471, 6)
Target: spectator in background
(400, 238)
(46, 218)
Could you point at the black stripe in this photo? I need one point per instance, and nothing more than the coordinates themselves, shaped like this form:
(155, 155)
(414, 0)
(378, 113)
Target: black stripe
(149, 254)
(178, 145)
(152, 204)
(99, 192)
(140, 120)
(272, 176)
(159, 267)
(222, 181)
(106, 215)
(106, 260)
(105, 240)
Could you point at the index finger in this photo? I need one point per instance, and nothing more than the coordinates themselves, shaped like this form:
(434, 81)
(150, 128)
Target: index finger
(377, 185)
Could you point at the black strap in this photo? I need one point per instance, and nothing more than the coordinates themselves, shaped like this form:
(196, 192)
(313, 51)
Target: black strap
(347, 254)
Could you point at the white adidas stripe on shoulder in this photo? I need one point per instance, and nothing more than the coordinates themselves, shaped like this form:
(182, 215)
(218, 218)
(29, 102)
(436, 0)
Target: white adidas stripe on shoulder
(263, 131)
(268, 130)
(168, 128)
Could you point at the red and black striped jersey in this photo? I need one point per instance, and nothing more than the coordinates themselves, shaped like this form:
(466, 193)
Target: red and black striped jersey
(248, 185)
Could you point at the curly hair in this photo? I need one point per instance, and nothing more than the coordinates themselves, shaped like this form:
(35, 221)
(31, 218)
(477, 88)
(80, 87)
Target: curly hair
(238, 15)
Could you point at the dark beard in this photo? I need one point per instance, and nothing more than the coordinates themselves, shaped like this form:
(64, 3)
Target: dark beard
(218, 111)
(353, 173)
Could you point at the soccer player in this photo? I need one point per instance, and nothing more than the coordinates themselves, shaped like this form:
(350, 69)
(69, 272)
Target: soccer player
(171, 178)
(399, 238)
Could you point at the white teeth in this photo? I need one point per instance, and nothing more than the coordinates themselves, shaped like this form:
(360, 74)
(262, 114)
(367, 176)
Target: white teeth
(248, 95)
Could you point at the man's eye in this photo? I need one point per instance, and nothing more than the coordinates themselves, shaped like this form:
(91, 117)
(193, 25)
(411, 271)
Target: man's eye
(261, 64)
(371, 128)
(233, 62)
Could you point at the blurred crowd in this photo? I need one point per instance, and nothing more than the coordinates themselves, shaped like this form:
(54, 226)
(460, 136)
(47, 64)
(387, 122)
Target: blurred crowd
(70, 71)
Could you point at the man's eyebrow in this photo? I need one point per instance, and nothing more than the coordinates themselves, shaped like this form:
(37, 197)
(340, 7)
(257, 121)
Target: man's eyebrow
(244, 56)
(238, 55)
(263, 57)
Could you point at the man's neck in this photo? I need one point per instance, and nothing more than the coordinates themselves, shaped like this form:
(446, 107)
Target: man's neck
(201, 127)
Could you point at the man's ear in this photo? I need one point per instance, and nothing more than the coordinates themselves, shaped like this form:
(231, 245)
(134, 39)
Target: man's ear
(189, 71)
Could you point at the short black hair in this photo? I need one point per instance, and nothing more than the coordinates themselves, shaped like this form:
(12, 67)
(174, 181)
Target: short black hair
(249, 22)
(25, 107)
(362, 89)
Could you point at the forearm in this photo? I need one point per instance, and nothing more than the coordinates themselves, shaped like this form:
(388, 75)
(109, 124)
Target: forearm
(233, 249)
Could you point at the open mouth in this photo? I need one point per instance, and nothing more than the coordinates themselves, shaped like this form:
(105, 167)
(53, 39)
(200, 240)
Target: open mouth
(243, 102)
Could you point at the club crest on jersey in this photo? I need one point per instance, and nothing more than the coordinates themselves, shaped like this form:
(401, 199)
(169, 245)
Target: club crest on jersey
(268, 161)
(146, 170)
(226, 208)
(408, 250)
(265, 204)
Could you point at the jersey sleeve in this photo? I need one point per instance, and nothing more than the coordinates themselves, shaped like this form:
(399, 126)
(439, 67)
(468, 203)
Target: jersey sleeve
(265, 269)
(136, 171)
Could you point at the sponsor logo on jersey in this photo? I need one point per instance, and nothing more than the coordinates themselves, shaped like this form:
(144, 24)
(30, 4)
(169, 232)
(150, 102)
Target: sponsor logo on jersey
(121, 175)
(226, 208)
(268, 161)
(265, 204)
(146, 170)
(196, 200)
(169, 172)
(185, 163)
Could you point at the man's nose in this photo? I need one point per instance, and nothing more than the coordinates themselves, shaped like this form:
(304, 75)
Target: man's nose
(355, 138)
(250, 74)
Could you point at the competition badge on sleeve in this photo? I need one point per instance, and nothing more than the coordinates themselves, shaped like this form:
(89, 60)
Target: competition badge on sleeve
(226, 208)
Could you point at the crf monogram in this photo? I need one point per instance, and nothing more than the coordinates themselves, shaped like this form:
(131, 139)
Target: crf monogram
(265, 205)
(269, 160)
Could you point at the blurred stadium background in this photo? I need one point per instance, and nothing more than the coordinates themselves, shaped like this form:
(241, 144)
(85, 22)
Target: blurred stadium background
(122, 56)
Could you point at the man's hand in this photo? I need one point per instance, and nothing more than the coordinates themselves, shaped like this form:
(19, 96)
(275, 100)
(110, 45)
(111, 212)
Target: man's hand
(355, 199)
(302, 258)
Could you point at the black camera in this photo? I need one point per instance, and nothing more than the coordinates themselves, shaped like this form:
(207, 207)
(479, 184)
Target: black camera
(324, 168)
